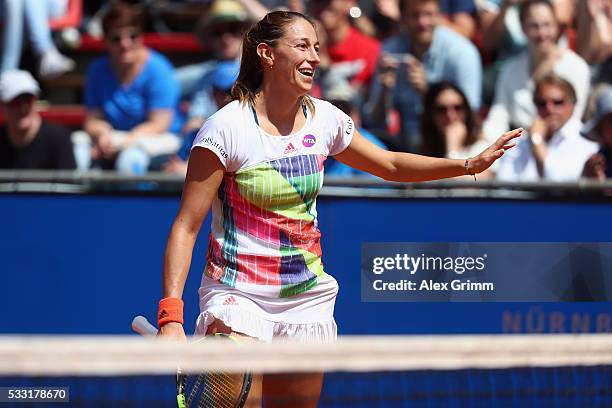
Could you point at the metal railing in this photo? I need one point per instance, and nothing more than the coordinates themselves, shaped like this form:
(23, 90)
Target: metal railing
(92, 182)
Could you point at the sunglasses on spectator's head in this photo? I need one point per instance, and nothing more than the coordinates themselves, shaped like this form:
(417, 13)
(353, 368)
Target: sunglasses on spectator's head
(447, 108)
(541, 103)
(116, 38)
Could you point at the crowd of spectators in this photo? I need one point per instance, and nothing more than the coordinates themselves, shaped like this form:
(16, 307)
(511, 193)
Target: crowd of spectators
(436, 77)
(30, 18)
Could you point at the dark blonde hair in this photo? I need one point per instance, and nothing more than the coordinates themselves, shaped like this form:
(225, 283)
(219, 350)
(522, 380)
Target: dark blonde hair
(268, 30)
(563, 84)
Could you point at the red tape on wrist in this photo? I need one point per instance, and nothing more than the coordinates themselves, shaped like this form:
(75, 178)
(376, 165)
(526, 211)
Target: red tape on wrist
(170, 310)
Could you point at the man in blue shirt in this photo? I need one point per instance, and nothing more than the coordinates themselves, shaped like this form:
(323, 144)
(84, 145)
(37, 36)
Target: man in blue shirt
(423, 53)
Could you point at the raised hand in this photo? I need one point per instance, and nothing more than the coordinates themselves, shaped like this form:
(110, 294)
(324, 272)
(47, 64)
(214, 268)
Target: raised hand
(484, 160)
(455, 132)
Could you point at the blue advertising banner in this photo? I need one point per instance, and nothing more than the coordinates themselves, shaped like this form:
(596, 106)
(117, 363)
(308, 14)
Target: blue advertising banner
(88, 264)
(486, 272)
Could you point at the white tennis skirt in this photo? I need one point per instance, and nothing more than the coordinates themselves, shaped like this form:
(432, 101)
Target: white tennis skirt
(306, 317)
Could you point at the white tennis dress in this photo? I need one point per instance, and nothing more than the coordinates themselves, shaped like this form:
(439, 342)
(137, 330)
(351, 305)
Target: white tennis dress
(264, 276)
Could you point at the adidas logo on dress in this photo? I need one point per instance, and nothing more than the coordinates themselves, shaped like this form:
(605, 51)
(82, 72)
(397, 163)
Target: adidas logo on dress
(230, 301)
(290, 149)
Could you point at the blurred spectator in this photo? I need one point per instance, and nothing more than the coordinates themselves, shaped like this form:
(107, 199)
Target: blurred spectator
(343, 95)
(26, 140)
(382, 16)
(513, 105)
(595, 36)
(378, 18)
(30, 17)
(459, 15)
(258, 9)
(554, 150)
(222, 29)
(344, 43)
(501, 25)
(599, 129)
(448, 125)
(503, 36)
(424, 53)
(221, 78)
(131, 97)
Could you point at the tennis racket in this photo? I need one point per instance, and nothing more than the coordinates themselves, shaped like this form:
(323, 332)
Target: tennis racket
(206, 389)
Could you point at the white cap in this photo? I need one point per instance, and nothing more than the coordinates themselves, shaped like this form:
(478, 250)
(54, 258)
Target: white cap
(16, 82)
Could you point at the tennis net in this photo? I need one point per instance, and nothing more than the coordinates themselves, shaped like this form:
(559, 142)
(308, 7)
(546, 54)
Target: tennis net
(378, 371)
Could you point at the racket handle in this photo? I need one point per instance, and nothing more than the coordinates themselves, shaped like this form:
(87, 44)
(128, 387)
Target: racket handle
(141, 325)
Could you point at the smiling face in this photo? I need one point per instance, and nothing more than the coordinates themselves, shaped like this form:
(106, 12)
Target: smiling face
(294, 57)
(420, 19)
(540, 27)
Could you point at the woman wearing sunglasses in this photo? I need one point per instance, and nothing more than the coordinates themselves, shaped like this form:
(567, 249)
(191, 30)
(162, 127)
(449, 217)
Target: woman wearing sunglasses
(131, 96)
(448, 125)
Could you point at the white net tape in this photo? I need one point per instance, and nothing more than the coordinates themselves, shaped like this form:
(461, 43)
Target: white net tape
(134, 355)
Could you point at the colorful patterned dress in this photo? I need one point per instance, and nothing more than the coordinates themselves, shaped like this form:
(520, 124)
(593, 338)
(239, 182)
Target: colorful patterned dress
(264, 238)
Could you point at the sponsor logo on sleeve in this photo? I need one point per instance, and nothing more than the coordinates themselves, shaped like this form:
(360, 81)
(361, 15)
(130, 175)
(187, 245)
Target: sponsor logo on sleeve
(208, 141)
(348, 126)
(309, 140)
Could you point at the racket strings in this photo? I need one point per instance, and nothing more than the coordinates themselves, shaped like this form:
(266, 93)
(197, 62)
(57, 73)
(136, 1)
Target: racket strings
(192, 388)
(214, 390)
(225, 389)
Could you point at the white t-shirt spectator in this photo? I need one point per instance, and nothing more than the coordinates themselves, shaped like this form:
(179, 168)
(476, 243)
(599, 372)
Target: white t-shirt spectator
(513, 104)
(567, 153)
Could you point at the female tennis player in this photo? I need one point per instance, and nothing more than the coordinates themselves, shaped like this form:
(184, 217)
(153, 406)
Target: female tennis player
(259, 163)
